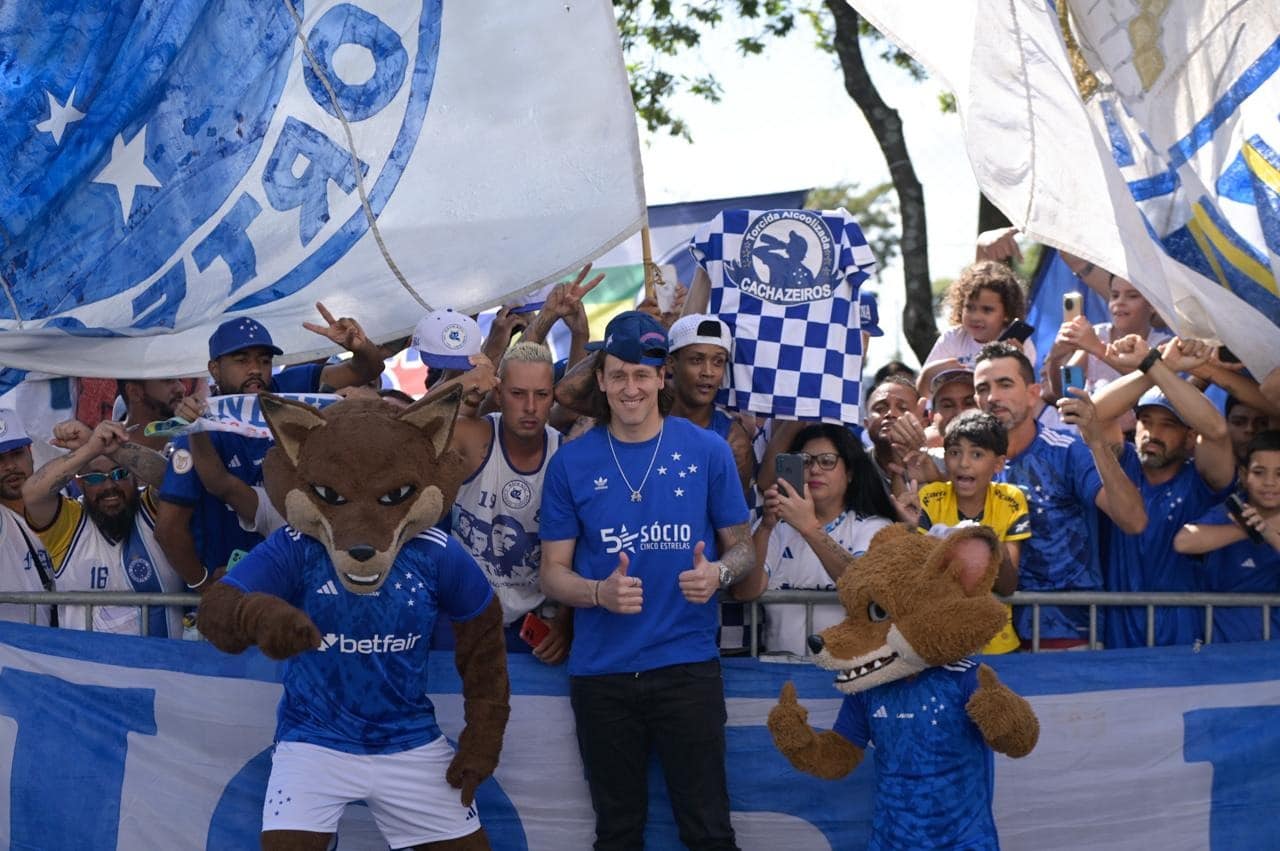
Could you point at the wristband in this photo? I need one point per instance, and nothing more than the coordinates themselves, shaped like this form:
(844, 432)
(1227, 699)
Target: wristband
(199, 584)
(595, 595)
(1149, 361)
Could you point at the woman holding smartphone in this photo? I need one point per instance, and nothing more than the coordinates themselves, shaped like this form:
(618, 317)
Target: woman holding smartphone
(806, 535)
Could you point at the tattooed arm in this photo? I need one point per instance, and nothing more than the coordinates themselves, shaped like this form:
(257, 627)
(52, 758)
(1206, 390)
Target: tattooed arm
(40, 492)
(146, 464)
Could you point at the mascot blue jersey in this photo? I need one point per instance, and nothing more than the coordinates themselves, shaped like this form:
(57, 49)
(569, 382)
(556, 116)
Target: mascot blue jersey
(365, 689)
(936, 774)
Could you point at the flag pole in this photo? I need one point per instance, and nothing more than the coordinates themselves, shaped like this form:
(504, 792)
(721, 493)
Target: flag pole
(652, 274)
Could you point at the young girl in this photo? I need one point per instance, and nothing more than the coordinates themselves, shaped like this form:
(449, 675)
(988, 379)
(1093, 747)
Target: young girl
(983, 301)
(1081, 344)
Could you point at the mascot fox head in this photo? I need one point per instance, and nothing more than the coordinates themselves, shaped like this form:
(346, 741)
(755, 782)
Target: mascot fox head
(361, 477)
(912, 602)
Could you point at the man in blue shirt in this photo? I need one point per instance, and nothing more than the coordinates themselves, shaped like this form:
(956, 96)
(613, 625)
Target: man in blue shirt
(1063, 477)
(1173, 419)
(199, 533)
(633, 515)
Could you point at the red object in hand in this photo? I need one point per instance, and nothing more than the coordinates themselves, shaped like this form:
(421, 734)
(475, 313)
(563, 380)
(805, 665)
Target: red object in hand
(534, 630)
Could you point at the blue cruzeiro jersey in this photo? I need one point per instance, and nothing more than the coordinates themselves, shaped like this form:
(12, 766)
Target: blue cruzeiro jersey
(1147, 561)
(1058, 476)
(935, 773)
(692, 491)
(365, 689)
(214, 525)
(1240, 568)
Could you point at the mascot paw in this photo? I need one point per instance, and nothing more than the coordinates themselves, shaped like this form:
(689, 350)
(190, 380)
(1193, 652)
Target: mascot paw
(466, 773)
(789, 722)
(282, 630)
(1007, 721)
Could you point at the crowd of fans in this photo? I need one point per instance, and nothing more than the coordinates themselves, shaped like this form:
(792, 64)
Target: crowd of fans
(1132, 461)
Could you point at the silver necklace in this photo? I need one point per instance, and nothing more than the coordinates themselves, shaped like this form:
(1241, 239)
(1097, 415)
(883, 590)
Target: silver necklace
(636, 496)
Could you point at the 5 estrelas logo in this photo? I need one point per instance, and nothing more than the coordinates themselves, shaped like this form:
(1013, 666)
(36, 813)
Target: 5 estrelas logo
(654, 536)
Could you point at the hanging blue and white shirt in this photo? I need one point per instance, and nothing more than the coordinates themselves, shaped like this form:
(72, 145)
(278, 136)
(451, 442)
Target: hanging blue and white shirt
(786, 282)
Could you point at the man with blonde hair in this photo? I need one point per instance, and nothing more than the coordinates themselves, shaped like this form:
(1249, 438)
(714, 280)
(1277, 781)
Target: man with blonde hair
(507, 453)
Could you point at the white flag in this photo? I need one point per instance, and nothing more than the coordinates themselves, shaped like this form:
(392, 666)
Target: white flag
(170, 163)
(1168, 174)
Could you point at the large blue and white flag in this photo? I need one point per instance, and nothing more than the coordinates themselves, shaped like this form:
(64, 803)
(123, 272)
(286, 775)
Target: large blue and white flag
(787, 284)
(166, 163)
(1157, 156)
(111, 741)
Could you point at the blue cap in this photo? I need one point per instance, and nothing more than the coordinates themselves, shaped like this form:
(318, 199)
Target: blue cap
(1153, 398)
(869, 314)
(12, 433)
(634, 337)
(242, 333)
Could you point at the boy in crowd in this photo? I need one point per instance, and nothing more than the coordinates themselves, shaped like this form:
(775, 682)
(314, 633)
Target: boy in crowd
(974, 448)
(1231, 560)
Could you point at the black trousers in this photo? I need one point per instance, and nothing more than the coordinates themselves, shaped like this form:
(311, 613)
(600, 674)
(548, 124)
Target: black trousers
(677, 712)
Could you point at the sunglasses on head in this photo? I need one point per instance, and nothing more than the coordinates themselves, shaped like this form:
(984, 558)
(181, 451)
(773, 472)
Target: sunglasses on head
(824, 460)
(116, 475)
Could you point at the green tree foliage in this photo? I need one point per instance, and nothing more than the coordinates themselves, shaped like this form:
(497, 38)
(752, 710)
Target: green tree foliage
(875, 210)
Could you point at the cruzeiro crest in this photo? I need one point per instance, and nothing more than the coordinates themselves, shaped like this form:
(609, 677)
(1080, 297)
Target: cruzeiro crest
(167, 159)
(787, 257)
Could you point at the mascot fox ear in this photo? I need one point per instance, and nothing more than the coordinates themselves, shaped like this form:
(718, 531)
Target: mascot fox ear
(972, 557)
(290, 422)
(434, 415)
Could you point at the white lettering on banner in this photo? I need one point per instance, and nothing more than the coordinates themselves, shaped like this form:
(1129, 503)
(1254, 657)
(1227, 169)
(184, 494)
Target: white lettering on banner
(1123, 768)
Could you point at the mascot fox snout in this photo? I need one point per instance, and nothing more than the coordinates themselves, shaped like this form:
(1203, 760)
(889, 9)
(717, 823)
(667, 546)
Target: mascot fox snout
(360, 482)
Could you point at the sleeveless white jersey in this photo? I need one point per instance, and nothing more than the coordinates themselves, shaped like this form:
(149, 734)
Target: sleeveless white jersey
(91, 562)
(495, 517)
(17, 570)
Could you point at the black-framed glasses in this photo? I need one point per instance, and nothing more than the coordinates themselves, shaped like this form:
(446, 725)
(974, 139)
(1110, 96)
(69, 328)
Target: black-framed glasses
(824, 460)
(95, 479)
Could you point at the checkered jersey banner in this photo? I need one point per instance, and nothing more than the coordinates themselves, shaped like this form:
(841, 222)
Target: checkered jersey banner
(786, 282)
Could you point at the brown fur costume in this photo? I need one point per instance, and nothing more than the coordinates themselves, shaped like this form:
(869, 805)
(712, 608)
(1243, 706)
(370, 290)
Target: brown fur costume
(363, 479)
(912, 602)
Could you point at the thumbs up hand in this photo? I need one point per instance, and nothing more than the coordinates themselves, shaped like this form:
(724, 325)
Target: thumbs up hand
(620, 593)
(699, 583)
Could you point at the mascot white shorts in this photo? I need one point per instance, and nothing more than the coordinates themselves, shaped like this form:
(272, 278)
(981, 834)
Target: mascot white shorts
(406, 792)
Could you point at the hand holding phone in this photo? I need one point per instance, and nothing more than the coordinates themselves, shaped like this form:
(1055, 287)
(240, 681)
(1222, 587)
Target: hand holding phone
(1072, 306)
(790, 468)
(534, 630)
(1235, 507)
(1071, 376)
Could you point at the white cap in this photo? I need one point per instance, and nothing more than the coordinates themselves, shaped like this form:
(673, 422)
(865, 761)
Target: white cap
(700, 328)
(12, 433)
(447, 339)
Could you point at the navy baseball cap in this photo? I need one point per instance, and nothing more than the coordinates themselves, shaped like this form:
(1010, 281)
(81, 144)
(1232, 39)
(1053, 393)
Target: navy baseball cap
(242, 333)
(634, 337)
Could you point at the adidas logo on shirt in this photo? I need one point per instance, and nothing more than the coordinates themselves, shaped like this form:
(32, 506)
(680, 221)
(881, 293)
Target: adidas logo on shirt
(234, 462)
(1248, 563)
(881, 712)
(328, 588)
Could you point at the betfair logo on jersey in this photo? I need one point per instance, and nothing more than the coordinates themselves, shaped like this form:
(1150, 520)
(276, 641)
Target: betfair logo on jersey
(369, 646)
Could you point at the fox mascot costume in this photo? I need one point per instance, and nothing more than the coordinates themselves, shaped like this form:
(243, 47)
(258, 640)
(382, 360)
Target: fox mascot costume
(916, 607)
(348, 593)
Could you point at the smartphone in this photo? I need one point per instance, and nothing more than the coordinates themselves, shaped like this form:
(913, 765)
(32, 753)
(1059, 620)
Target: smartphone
(1070, 376)
(1018, 330)
(1225, 355)
(1072, 305)
(533, 630)
(790, 468)
(1235, 507)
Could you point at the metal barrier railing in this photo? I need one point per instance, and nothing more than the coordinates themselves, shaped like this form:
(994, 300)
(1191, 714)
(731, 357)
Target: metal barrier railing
(1035, 599)
(1150, 600)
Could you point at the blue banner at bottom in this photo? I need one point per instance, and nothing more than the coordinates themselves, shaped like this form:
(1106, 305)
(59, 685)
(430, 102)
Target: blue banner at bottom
(120, 742)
